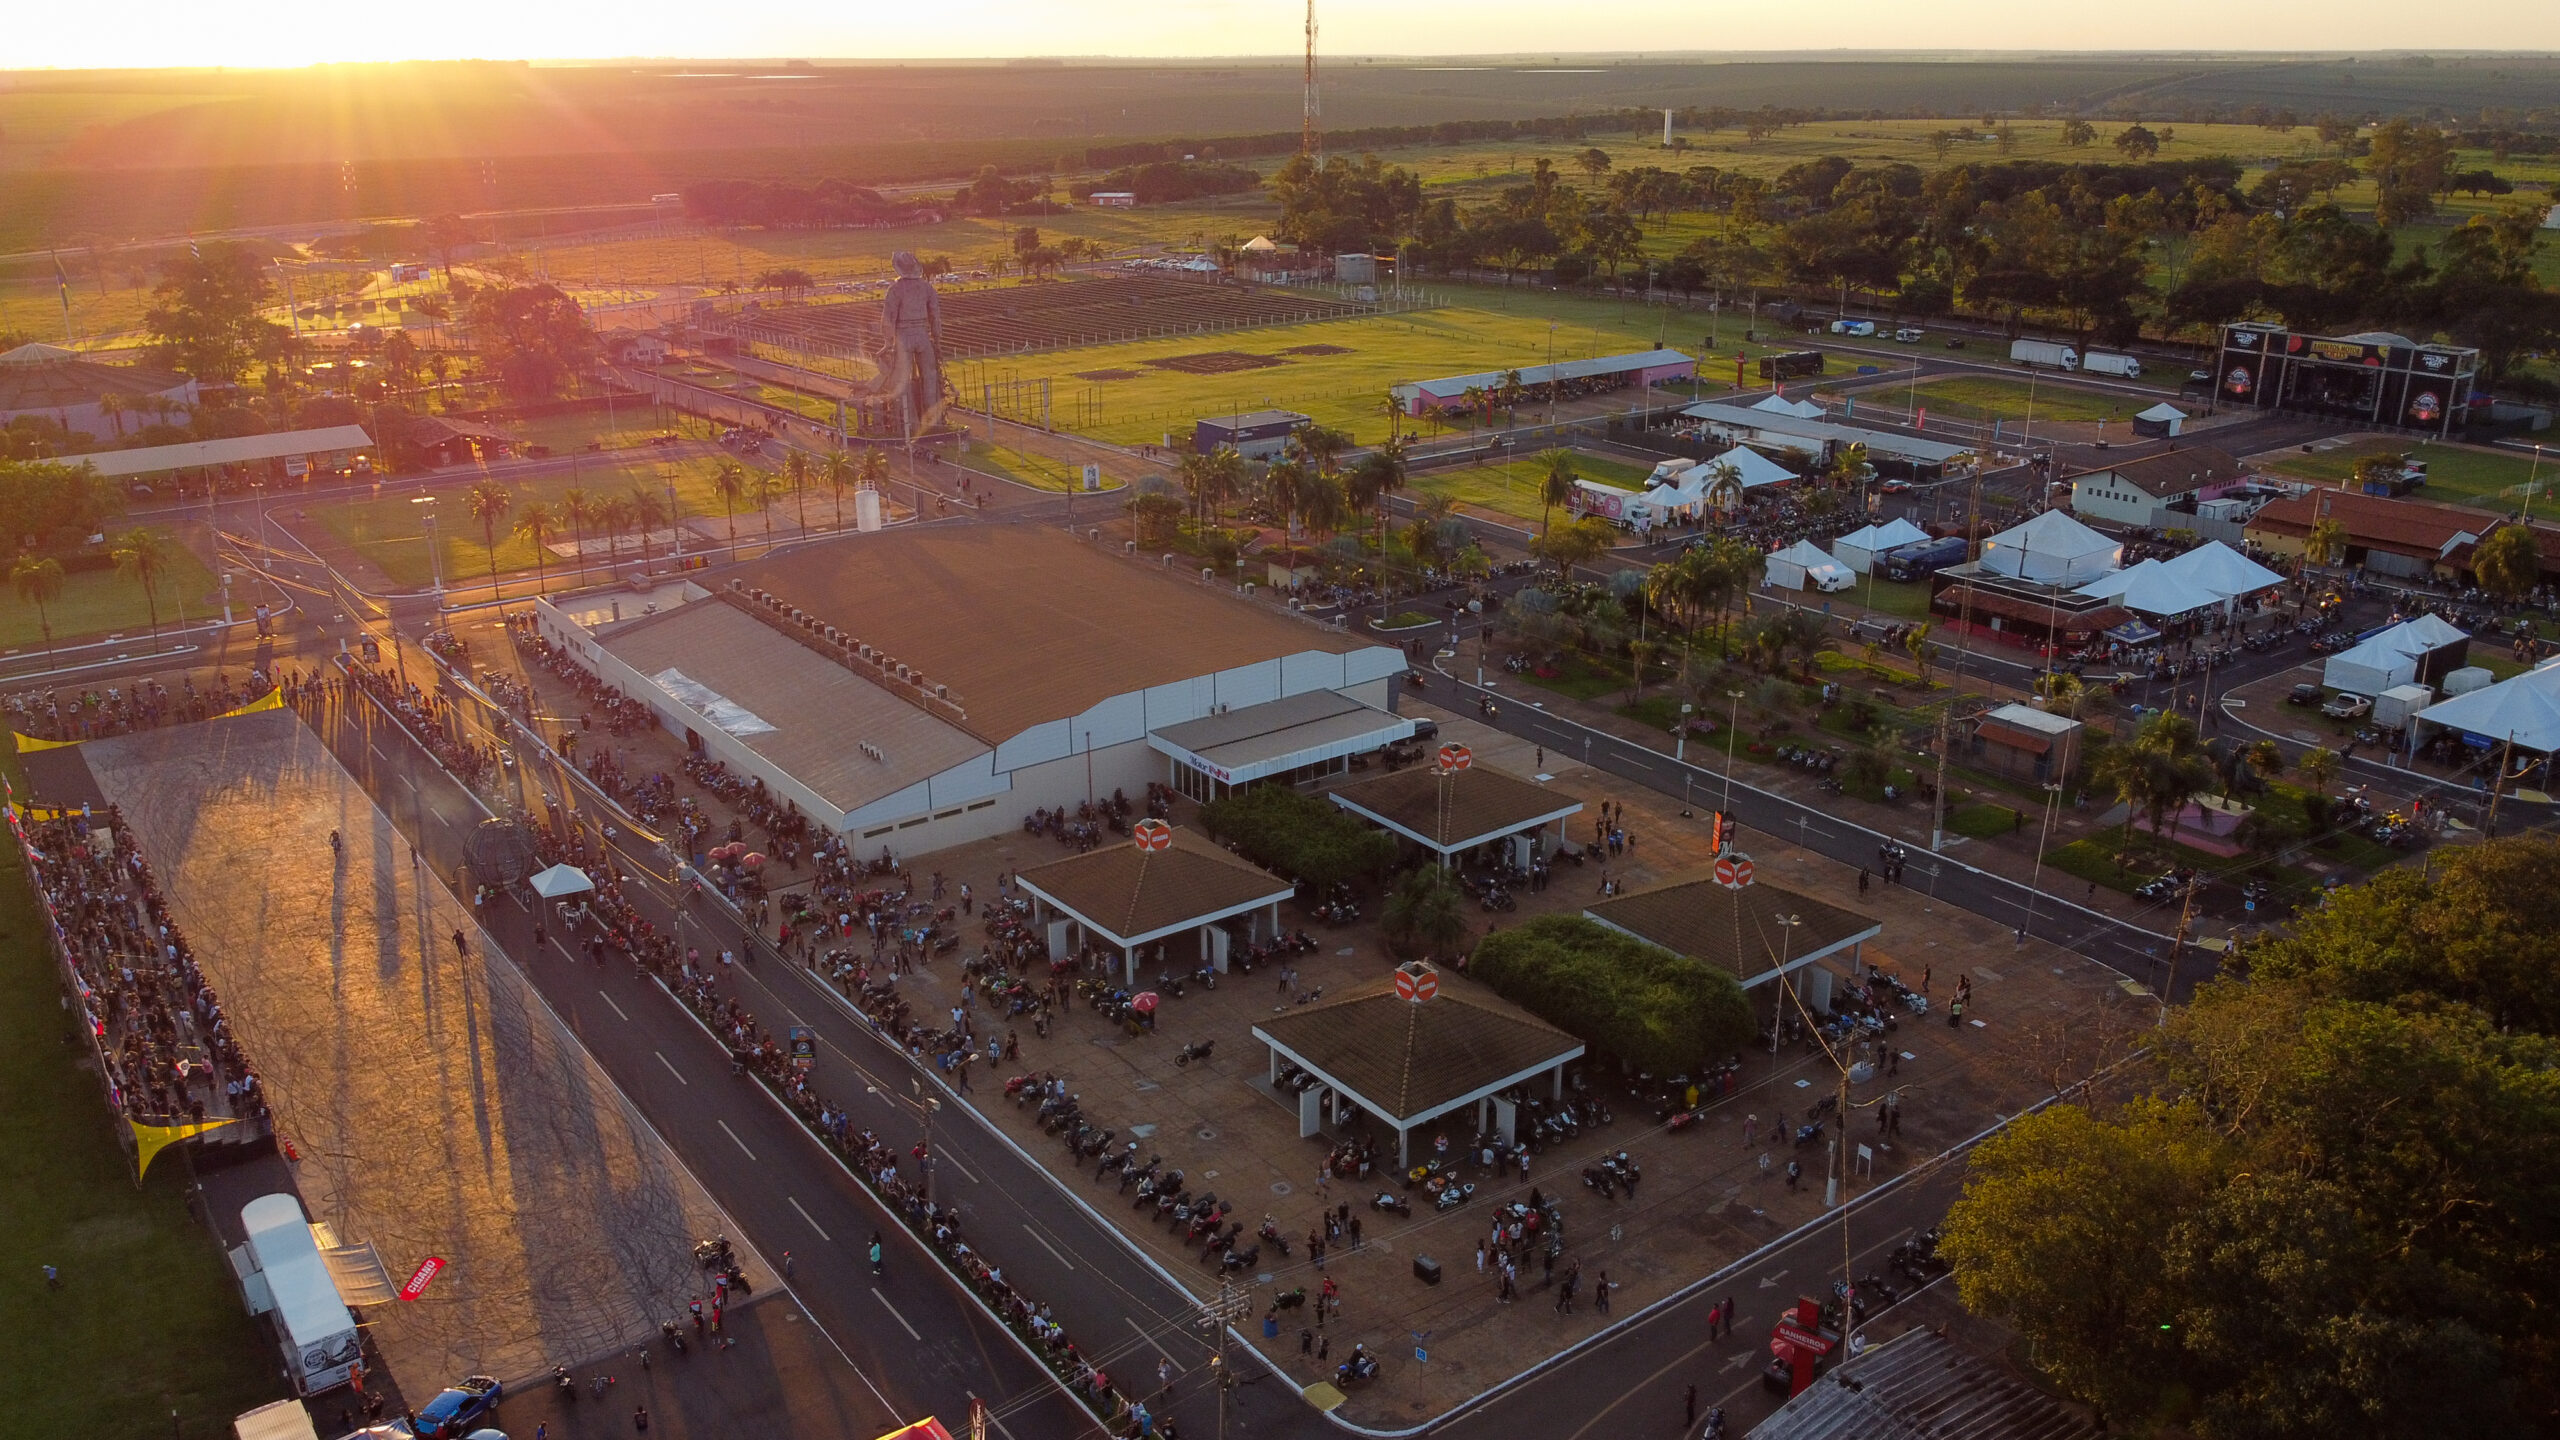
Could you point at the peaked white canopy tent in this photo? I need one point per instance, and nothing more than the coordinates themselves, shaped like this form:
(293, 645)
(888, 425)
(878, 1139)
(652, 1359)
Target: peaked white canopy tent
(2051, 549)
(1861, 548)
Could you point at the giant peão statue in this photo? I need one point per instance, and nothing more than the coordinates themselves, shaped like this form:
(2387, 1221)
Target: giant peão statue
(913, 312)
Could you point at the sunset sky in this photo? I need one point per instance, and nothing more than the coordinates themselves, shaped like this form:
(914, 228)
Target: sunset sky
(151, 33)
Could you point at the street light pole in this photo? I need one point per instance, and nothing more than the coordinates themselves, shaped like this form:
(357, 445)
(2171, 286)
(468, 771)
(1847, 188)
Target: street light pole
(2035, 886)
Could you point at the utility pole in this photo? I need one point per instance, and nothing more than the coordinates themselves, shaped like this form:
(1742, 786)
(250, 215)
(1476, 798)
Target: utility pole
(1311, 122)
(2178, 942)
(1964, 623)
(2498, 785)
(1217, 1316)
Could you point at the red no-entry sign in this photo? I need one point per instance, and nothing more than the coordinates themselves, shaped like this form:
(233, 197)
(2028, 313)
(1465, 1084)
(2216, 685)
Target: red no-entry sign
(1456, 757)
(1152, 834)
(1733, 871)
(1416, 982)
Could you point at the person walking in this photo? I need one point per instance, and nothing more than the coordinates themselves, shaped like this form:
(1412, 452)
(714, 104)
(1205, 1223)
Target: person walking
(1750, 1131)
(1795, 1172)
(1689, 1410)
(640, 1418)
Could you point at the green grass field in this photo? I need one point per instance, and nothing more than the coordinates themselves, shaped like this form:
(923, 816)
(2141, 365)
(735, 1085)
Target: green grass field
(1041, 471)
(146, 1321)
(1513, 487)
(2456, 474)
(101, 602)
(390, 531)
(1986, 397)
(1347, 391)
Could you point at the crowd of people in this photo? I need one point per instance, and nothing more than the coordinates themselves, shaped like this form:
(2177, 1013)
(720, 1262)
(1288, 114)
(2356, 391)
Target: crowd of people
(165, 1043)
(94, 714)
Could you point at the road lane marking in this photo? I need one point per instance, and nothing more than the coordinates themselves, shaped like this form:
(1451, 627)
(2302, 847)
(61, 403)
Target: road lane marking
(992, 1418)
(1045, 1245)
(939, 1156)
(741, 1144)
(813, 1224)
(1151, 1342)
(671, 1067)
(893, 1313)
(608, 1000)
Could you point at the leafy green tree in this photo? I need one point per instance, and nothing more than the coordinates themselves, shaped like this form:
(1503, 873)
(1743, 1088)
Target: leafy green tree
(1576, 542)
(533, 337)
(205, 318)
(2137, 142)
(2077, 133)
(54, 505)
(2060, 1233)
(1299, 836)
(2507, 561)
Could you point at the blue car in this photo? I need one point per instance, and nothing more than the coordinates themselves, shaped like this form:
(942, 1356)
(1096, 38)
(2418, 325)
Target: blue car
(460, 1409)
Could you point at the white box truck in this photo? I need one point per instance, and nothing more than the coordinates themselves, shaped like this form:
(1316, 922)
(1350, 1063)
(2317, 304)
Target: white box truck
(2100, 363)
(2044, 352)
(286, 1279)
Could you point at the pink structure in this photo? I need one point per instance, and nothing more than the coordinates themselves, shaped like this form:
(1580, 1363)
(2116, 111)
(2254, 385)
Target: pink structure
(1639, 370)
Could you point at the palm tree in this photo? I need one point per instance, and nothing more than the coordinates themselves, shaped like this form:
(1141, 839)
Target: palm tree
(838, 471)
(1555, 485)
(489, 502)
(577, 508)
(764, 489)
(2327, 542)
(144, 558)
(795, 472)
(2319, 768)
(613, 517)
(729, 482)
(1427, 911)
(649, 510)
(1379, 474)
(539, 525)
(113, 404)
(1723, 487)
(873, 471)
(1283, 484)
(38, 581)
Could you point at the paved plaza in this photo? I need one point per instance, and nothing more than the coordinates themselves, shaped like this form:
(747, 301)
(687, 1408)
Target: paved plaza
(436, 1105)
(2040, 1017)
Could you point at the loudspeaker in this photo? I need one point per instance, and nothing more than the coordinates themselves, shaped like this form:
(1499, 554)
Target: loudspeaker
(1426, 1269)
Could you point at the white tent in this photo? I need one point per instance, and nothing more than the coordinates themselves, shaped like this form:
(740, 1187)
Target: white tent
(2226, 572)
(2052, 548)
(1757, 469)
(560, 880)
(2160, 421)
(2370, 668)
(1859, 549)
(2427, 632)
(2162, 595)
(2112, 584)
(2526, 708)
(1806, 566)
(1779, 404)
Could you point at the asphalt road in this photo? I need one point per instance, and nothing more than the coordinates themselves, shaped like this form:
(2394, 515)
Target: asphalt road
(922, 1342)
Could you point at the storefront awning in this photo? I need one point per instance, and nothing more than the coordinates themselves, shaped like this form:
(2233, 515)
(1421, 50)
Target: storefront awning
(1242, 746)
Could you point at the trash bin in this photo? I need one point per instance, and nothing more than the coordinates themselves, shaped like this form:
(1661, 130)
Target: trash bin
(1270, 1327)
(1426, 1269)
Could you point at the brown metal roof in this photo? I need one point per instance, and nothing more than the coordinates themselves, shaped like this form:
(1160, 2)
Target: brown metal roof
(2176, 471)
(1735, 928)
(2419, 529)
(1987, 603)
(1027, 623)
(1132, 893)
(1921, 1386)
(1480, 802)
(58, 384)
(1408, 1060)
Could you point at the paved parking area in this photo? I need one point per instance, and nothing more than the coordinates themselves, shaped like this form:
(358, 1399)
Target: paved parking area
(437, 1106)
(2040, 1017)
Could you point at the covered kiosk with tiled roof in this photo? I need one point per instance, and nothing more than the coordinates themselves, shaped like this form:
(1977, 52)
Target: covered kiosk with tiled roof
(1758, 932)
(1451, 811)
(1156, 887)
(1413, 1046)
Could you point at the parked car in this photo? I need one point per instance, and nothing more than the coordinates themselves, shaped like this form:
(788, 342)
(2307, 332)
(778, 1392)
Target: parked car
(2199, 377)
(2347, 705)
(1956, 344)
(1909, 336)
(1894, 487)
(459, 1409)
(2305, 694)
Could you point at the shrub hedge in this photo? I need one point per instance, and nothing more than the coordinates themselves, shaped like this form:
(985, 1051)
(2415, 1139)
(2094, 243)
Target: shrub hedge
(1299, 836)
(1655, 1010)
